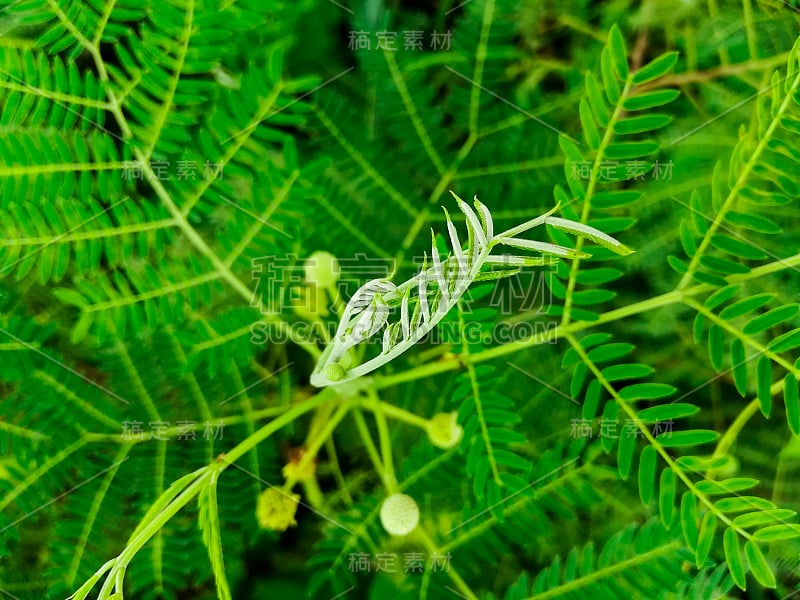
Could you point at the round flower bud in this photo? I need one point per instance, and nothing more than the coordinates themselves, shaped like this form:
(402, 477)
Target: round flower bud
(334, 371)
(399, 514)
(310, 303)
(443, 430)
(347, 360)
(296, 469)
(276, 509)
(322, 269)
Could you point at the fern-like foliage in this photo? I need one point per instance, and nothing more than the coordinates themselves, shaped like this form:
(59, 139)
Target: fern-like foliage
(761, 174)
(154, 154)
(599, 361)
(628, 558)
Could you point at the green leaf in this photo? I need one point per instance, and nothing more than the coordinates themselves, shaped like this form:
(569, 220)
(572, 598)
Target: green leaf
(627, 371)
(578, 379)
(596, 101)
(705, 539)
(509, 459)
(619, 56)
(505, 436)
(764, 385)
(543, 247)
(736, 247)
(495, 275)
(709, 278)
(81, 328)
(770, 319)
(758, 565)
(687, 239)
(744, 306)
(590, 132)
(591, 400)
(777, 532)
(741, 503)
(791, 399)
(689, 519)
(628, 150)
(610, 411)
(723, 265)
(650, 99)
(597, 276)
(752, 222)
(656, 68)
(733, 556)
(715, 346)
(677, 264)
(690, 437)
(647, 391)
(647, 474)
(721, 296)
(70, 296)
(609, 352)
(627, 445)
(763, 517)
(591, 297)
(698, 327)
(667, 412)
(641, 124)
(739, 366)
(666, 500)
(788, 341)
(589, 233)
(499, 416)
(609, 79)
(570, 149)
(606, 200)
(166, 497)
(83, 592)
(209, 524)
(728, 486)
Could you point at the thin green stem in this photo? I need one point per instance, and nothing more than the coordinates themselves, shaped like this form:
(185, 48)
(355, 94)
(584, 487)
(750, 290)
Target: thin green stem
(372, 451)
(385, 441)
(608, 136)
(313, 446)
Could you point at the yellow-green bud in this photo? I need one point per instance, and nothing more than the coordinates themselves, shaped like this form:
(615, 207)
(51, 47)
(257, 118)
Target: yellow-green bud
(443, 430)
(310, 303)
(322, 269)
(347, 360)
(276, 509)
(399, 514)
(334, 371)
(297, 469)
